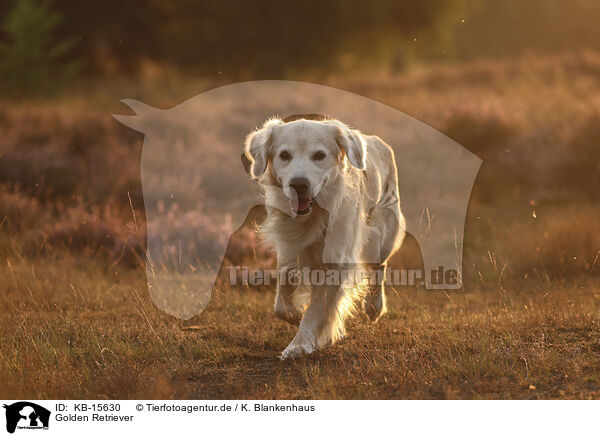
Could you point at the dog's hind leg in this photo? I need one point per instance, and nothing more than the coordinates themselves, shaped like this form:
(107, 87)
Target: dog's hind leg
(386, 233)
(374, 303)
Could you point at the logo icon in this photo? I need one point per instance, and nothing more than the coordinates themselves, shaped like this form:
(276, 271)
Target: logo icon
(26, 415)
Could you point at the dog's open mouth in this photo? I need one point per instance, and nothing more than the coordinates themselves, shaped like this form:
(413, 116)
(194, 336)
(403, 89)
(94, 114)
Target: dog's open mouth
(301, 206)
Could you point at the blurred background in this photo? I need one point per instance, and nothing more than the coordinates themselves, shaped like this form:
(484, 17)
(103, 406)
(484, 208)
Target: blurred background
(270, 39)
(515, 82)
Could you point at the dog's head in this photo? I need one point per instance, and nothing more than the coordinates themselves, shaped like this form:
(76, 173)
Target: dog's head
(303, 156)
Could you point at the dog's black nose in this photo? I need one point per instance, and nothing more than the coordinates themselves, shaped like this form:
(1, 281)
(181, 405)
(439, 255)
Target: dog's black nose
(300, 185)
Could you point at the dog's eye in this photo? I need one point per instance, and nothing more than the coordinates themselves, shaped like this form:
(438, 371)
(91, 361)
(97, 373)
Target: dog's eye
(319, 155)
(285, 155)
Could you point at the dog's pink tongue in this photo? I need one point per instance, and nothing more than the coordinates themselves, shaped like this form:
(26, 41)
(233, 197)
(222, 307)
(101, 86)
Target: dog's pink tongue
(303, 204)
(300, 204)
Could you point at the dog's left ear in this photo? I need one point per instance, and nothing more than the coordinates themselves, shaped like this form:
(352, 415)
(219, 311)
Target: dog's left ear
(256, 148)
(352, 142)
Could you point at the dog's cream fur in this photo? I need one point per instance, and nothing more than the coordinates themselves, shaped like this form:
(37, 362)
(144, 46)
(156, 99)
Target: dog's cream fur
(354, 220)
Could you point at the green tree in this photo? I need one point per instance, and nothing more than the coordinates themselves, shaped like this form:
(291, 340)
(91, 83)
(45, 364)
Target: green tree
(32, 59)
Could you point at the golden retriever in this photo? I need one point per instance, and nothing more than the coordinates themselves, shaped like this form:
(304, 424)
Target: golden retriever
(332, 204)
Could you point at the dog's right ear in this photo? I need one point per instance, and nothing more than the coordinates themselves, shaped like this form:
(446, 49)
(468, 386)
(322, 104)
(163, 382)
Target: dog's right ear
(256, 147)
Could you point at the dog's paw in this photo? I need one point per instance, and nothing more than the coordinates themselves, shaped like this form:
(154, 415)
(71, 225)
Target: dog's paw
(296, 350)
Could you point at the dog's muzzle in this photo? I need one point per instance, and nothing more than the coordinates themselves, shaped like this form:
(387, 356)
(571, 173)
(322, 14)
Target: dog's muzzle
(301, 203)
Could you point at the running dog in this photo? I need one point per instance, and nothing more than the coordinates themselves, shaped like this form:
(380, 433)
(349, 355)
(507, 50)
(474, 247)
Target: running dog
(332, 202)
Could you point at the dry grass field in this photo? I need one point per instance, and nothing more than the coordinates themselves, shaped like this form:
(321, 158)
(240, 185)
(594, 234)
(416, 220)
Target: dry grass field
(76, 319)
(75, 331)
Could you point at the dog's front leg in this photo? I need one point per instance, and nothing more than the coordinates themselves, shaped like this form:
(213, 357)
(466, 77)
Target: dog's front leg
(322, 324)
(285, 307)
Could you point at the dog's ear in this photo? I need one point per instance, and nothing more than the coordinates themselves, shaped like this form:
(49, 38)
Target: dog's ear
(351, 142)
(256, 147)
